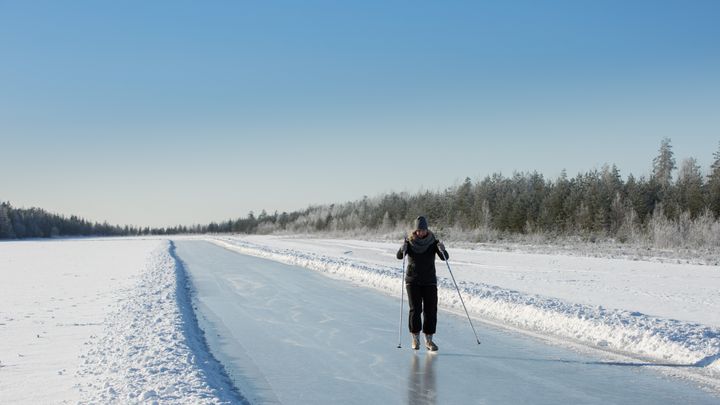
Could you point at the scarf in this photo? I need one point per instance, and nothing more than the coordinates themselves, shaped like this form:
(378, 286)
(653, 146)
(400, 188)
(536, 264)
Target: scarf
(420, 245)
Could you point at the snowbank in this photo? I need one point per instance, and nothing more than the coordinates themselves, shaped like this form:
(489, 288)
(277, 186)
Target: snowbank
(151, 349)
(663, 341)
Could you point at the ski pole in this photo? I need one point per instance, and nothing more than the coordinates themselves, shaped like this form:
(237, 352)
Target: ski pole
(402, 300)
(461, 298)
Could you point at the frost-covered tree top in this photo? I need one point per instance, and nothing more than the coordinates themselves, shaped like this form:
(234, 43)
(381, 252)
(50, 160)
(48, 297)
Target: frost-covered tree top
(664, 164)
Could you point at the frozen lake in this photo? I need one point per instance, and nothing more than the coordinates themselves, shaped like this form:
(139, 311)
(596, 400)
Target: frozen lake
(289, 335)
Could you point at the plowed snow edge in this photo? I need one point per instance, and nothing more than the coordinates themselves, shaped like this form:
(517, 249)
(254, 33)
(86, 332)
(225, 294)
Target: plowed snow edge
(152, 349)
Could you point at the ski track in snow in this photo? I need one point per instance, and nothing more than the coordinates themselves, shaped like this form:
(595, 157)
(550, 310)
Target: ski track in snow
(151, 349)
(668, 342)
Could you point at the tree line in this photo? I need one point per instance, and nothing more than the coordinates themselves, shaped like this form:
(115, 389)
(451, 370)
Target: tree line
(674, 206)
(677, 205)
(22, 223)
(37, 223)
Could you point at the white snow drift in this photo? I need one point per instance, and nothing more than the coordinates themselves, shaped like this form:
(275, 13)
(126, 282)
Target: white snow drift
(152, 349)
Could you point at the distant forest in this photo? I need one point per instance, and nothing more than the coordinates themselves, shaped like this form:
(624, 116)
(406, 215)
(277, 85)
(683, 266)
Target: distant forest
(674, 207)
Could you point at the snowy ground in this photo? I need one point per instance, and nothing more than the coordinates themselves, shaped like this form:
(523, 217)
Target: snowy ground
(110, 320)
(662, 312)
(101, 321)
(54, 296)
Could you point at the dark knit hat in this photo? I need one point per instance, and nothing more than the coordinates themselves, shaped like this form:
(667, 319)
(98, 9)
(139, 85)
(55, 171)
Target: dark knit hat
(421, 223)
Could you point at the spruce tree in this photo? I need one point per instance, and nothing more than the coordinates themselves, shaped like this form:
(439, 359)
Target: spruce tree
(663, 165)
(6, 228)
(661, 184)
(713, 186)
(690, 188)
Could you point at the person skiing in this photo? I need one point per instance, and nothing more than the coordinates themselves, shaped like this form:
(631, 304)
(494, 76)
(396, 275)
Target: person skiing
(421, 281)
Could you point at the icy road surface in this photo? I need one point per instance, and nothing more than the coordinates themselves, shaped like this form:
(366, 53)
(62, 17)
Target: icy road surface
(290, 335)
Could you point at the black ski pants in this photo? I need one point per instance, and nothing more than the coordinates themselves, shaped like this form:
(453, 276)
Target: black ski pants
(423, 301)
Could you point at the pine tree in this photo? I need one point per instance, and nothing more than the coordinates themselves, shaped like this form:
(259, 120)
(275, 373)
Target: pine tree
(463, 204)
(553, 210)
(609, 199)
(713, 186)
(660, 188)
(6, 228)
(663, 165)
(690, 188)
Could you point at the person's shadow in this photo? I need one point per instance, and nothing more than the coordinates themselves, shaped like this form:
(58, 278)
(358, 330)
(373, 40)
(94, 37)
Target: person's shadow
(421, 384)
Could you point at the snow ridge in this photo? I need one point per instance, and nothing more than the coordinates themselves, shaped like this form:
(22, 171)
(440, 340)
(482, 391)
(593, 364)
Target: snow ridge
(152, 350)
(662, 341)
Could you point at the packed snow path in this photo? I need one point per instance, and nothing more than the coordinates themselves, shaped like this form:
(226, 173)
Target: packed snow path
(289, 335)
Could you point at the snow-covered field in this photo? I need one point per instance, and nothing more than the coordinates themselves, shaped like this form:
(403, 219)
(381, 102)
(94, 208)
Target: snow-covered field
(110, 320)
(54, 296)
(100, 321)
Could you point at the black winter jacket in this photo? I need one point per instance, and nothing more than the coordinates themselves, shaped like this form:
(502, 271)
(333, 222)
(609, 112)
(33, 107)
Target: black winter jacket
(421, 266)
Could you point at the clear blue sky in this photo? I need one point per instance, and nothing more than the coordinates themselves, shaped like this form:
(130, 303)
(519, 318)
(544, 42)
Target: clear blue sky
(175, 112)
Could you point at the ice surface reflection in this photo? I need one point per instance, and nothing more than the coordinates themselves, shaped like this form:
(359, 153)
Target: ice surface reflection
(422, 387)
